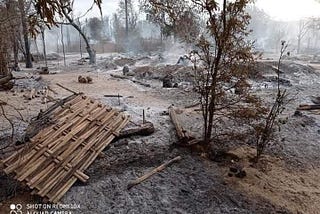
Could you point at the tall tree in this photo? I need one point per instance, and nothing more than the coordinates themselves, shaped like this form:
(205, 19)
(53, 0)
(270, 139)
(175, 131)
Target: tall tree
(128, 15)
(9, 34)
(66, 10)
(25, 32)
(302, 31)
(11, 8)
(44, 46)
(260, 23)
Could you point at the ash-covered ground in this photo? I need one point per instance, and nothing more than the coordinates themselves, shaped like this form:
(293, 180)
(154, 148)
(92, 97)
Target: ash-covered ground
(286, 180)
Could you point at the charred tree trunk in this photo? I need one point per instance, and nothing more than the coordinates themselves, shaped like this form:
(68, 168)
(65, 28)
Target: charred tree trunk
(4, 71)
(14, 32)
(6, 79)
(15, 53)
(63, 49)
(91, 52)
(299, 45)
(25, 33)
(44, 47)
(127, 19)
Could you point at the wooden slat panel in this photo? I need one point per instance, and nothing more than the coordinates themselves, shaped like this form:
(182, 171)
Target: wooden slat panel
(64, 142)
(58, 155)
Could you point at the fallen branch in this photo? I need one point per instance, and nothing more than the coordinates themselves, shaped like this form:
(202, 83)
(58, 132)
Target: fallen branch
(65, 88)
(316, 100)
(44, 118)
(128, 78)
(154, 171)
(112, 95)
(276, 69)
(308, 107)
(141, 83)
(192, 105)
(119, 76)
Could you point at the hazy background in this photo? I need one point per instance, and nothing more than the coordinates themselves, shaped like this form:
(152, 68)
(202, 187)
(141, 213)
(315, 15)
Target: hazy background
(282, 10)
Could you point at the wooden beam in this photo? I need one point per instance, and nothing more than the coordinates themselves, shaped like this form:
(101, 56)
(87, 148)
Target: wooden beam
(308, 107)
(154, 171)
(182, 134)
(145, 129)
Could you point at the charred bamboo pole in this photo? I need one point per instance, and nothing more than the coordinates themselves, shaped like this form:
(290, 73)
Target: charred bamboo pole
(112, 95)
(65, 88)
(154, 171)
(133, 80)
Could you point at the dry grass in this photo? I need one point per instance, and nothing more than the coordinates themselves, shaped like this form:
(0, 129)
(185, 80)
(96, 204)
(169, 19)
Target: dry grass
(297, 191)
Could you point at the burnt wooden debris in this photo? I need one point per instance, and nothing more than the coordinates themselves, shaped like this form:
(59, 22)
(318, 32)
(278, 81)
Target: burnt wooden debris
(144, 129)
(6, 82)
(58, 155)
(131, 79)
(308, 107)
(184, 137)
(152, 172)
(316, 100)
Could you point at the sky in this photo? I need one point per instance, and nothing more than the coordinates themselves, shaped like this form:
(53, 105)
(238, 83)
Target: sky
(290, 10)
(284, 10)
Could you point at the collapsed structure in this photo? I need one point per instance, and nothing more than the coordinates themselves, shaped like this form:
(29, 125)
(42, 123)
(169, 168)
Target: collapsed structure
(56, 157)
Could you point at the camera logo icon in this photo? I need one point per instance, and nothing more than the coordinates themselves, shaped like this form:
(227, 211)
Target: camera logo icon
(15, 209)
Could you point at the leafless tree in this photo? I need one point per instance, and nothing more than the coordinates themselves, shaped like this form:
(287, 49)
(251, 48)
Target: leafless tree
(265, 130)
(302, 31)
(51, 11)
